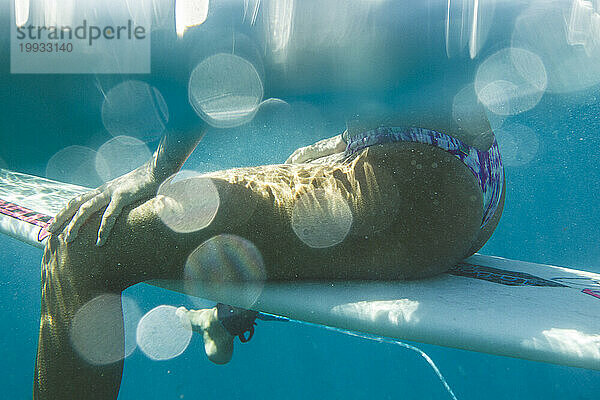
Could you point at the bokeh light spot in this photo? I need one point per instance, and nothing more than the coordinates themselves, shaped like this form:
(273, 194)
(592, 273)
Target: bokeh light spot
(518, 144)
(223, 262)
(119, 156)
(321, 218)
(134, 108)
(74, 164)
(162, 335)
(97, 330)
(225, 90)
(511, 81)
(188, 202)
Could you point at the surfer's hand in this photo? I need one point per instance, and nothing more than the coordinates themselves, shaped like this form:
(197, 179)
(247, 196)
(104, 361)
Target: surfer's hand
(320, 149)
(114, 195)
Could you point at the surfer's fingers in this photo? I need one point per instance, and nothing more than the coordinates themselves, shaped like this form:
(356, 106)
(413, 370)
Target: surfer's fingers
(108, 219)
(84, 212)
(69, 210)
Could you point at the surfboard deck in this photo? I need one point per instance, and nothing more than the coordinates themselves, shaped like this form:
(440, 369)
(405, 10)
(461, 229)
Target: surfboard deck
(487, 304)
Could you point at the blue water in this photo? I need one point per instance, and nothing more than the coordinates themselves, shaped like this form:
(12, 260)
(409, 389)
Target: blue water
(551, 216)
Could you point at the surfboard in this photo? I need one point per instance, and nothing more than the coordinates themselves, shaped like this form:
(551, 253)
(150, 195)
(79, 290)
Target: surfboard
(487, 304)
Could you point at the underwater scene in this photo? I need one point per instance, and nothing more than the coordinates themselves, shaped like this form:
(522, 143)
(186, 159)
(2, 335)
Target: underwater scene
(276, 199)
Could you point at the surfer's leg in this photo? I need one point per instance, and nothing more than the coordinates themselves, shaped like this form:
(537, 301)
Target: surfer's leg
(60, 372)
(75, 273)
(141, 248)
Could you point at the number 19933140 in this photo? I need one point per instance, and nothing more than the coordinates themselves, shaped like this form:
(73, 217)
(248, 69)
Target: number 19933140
(46, 47)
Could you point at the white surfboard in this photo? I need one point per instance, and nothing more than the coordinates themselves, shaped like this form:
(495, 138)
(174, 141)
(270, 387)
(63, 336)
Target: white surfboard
(487, 304)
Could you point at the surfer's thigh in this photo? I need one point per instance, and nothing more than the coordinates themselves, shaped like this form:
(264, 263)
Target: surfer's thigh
(436, 203)
(142, 246)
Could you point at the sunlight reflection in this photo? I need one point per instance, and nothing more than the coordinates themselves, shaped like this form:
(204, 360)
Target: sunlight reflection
(569, 342)
(570, 66)
(251, 8)
(393, 311)
(21, 12)
(189, 13)
(482, 18)
(468, 22)
(279, 15)
(584, 27)
(162, 14)
(140, 11)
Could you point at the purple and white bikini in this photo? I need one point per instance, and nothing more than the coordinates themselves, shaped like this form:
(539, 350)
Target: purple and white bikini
(485, 165)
